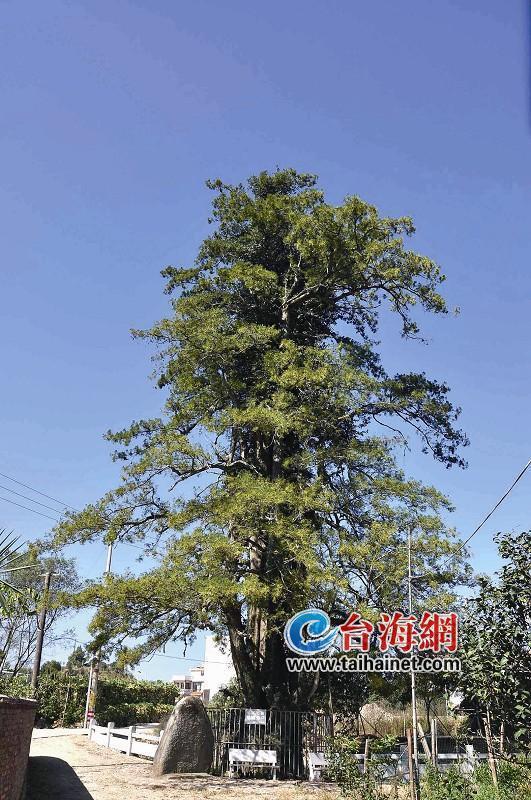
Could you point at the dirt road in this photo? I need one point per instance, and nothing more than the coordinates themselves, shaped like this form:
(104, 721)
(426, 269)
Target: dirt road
(64, 766)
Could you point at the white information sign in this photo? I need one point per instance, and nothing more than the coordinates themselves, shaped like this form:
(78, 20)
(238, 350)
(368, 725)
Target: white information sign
(255, 716)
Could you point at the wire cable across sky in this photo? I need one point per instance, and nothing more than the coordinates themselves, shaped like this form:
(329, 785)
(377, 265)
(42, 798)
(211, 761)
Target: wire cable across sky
(32, 488)
(44, 505)
(489, 515)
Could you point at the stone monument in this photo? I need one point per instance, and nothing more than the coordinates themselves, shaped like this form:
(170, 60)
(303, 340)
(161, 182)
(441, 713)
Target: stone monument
(187, 744)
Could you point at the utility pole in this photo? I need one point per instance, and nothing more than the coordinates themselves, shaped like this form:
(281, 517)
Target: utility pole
(92, 688)
(109, 560)
(415, 758)
(40, 632)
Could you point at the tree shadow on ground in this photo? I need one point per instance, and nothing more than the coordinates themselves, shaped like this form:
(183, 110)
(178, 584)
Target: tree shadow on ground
(53, 779)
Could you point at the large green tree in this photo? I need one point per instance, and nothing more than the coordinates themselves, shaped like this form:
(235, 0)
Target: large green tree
(19, 616)
(269, 482)
(496, 642)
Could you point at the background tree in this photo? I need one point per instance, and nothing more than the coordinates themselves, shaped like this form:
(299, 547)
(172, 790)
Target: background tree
(269, 482)
(229, 696)
(52, 666)
(496, 642)
(10, 561)
(78, 659)
(18, 623)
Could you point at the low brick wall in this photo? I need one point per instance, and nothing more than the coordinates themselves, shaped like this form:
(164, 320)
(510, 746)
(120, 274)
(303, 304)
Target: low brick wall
(16, 724)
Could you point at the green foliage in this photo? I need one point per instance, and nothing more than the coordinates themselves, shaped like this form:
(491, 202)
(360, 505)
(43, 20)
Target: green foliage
(51, 666)
(345, 769)
(229, 696)
(116, 691)
(132, 713)
(269, 482)
(62, 698)
(77, 659)
(514, 783)
(447, 785)
(17, 686)
(127, 701)
(10, 562)
(18, 622)
(343, 694)
(496, 641)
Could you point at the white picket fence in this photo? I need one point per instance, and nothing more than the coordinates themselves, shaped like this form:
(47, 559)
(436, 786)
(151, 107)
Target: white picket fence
(143, 740)
(393, 765)
(137, 740)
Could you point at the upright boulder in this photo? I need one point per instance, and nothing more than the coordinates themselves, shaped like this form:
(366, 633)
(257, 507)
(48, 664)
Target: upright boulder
(187, 744)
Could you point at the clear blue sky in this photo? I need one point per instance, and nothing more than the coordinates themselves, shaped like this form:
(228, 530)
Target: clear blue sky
(114, 114)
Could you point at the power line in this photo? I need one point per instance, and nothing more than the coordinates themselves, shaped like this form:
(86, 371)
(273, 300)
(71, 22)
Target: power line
(31, 500)
(184, 658)
(31, 488)
(55, 519)
(137, 546)
(55, 500)
(500, 501)
(478, 528)
(7, 500)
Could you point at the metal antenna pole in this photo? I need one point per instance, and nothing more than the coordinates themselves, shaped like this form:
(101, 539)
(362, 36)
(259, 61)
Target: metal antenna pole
(109, 560)
(40, 632)
(87, 704)
(413, 686)
(92, 688)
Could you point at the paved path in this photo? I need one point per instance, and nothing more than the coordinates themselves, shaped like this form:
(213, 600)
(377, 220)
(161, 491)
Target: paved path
(66, 766)
(47, 733)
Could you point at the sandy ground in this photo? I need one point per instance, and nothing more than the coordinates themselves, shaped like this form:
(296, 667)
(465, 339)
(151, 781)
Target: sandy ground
(65, 766)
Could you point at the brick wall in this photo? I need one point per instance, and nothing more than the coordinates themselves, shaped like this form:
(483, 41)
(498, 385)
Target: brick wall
(16, 724)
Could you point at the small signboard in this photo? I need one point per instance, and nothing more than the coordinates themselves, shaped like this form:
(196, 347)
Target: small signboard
(255, 716)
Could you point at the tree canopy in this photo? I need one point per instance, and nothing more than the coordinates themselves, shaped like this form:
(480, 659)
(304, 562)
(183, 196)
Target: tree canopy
(496, 641)
(270, 481)
(21, 606)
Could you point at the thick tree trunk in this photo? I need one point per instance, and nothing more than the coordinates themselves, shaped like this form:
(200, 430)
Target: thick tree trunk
(270, 685)
(246, 673)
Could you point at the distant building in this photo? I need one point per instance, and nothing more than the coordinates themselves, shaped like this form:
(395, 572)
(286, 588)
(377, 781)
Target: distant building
(219, 669)
(191, 684)
(205, 680)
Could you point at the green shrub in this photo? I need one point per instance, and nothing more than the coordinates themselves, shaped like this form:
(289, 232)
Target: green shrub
(127, 714)
(124, 701)
(61, 699)
(120, 691)
(344, 768)
(447, 785)
(15, 687)
(514, 783)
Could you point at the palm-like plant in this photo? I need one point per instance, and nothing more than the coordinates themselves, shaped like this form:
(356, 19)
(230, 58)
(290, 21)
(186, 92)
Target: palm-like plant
(10, 557)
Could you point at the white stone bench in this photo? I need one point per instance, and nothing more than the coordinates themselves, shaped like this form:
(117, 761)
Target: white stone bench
(249, 757)
(316, 763)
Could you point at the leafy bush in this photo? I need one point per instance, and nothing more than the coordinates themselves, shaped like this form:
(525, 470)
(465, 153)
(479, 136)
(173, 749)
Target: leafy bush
(124, 701)
(229, 696)
(16, 687)
(514, 783)
(514, 780)
(344, 768)
(61, 699)
(447, 785)
(130, 713)
(118, 691)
